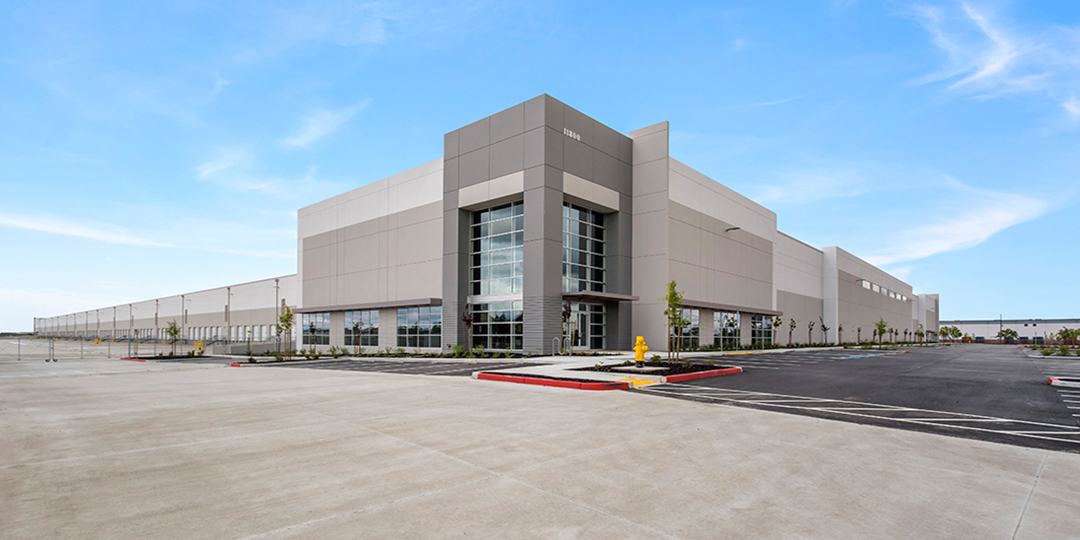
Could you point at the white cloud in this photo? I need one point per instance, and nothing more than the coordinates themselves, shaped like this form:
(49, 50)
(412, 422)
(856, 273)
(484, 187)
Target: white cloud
(113, 234)
(990, 57)
(738, 45)
(55, 225)
(809, 187)
(219, 84)
(979, 215)
(323, 122)
(1072, 106)
(777, 102)
(232, 170)
(228, 159)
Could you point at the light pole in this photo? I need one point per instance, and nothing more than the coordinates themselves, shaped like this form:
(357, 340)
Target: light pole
(228, 316)
(157, 331)
(277, 314)
(113, 337)
(131, 325)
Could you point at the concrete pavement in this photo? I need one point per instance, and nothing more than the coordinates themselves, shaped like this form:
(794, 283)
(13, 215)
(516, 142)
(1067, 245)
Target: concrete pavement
(111, 449)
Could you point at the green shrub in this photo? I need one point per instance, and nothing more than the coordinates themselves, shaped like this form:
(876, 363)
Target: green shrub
(1047, 352)
(1064, 350)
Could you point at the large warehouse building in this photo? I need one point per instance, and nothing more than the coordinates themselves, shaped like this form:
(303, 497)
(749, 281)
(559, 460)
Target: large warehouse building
(528, 210)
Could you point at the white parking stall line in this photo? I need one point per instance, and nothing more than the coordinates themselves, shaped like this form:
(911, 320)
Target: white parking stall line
(960, 419)
(957, 421)
(882, 409)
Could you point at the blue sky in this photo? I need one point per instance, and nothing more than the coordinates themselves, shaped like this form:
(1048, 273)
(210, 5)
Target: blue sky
(155, 148)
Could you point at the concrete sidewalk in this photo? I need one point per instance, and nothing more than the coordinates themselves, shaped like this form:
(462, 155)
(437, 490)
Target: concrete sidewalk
(110, 449)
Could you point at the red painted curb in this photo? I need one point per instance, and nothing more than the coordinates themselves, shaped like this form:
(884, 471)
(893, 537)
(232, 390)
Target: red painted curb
(133, 359)
(554, 382)
(701, 375)
(234, 364)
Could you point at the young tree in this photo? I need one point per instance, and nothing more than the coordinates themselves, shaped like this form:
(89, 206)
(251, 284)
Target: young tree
(285, 325)
(1007, 334)
(776, 323)
(673, 299)
(791, 329)
(173, 332)
(920, 333)
(810, 333)
(858, 334)
(840, 333)
(824, 331)
(467, 320)
(879, 329)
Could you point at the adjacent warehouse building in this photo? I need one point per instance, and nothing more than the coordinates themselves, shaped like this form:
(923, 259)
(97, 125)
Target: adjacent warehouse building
(532, 209)
(1026, 329)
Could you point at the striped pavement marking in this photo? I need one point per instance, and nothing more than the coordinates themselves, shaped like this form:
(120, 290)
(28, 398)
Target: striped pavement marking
(941, 419)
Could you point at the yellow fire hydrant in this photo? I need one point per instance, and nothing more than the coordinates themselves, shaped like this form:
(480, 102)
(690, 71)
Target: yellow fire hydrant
(640, 349)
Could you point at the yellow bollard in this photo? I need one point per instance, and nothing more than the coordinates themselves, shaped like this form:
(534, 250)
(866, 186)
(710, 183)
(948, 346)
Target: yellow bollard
(639, 351)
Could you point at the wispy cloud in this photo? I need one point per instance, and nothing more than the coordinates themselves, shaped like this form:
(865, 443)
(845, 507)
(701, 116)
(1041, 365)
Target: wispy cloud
(990, 56)
(797, 188)
(233, 169)
(738, 45)
(228, 159)
(322, 123)
(777, 102)
(66, 227)
(982, 214)
(113, 234)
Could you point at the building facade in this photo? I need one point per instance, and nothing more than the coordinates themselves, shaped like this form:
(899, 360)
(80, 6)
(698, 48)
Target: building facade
(539, 209)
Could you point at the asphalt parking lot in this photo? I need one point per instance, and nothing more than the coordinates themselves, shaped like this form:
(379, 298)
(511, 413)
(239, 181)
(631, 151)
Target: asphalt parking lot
(993, 393)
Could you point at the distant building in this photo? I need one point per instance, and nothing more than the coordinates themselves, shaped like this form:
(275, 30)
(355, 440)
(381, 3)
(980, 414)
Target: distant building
(528, 210)
(1027, 329)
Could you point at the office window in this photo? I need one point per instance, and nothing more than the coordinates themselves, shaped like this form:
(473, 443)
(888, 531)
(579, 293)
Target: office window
(497, 250)
(583, 249)
(362, 328)
(689, 338)
(761, 330)
(726, 329)
(419, 326)
(316, 328)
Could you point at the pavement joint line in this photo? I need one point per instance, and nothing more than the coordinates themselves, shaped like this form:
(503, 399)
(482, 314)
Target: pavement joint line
(150, 448)
(505, 476)
(1031, 493)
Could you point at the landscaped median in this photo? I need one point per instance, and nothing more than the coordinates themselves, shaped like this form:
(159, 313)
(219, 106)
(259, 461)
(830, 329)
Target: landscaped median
(598, 376)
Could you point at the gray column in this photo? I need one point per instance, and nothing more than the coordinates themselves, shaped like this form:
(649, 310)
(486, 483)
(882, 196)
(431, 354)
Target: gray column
(543, 262)
(705, 327)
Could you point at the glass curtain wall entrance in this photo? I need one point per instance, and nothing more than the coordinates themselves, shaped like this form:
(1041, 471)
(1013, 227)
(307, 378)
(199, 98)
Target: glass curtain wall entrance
(496, 276)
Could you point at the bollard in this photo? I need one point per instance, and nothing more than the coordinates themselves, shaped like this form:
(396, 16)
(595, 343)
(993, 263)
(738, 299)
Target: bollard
(18, 355)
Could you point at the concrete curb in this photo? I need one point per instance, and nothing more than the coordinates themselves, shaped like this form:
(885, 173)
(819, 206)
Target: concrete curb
(577, 385)
(700, 375)
(1067, 382)
(134, 359)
